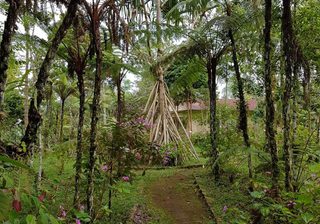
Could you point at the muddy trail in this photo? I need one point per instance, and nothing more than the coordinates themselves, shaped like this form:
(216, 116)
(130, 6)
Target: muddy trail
(177, 197)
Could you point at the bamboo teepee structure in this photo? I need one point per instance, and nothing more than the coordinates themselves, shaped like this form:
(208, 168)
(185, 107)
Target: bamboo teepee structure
(159, 108)
(159, 112)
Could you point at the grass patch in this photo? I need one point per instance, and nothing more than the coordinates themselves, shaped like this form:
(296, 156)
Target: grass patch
(138, 193)
(229, 201)
(59, 186)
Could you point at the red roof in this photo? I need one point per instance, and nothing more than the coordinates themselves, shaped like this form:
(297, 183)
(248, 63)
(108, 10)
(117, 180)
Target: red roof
(194, 106)
(251, 104)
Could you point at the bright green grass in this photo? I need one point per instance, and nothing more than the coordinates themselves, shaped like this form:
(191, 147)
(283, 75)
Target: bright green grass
(234, 196)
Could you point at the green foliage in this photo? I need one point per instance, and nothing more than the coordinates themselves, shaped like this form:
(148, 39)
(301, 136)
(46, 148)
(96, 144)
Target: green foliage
(32, 211)
(63, 86)
(185, 78)
(228, 207)
(229, 139)
(4, 206)
(8, 161)
(128, 139)
(307, 20)
(14, 105)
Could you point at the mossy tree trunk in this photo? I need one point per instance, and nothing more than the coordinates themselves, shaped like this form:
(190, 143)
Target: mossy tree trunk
(63, 101)
(5, 47)
(82, 97)
(288, 49)
(80, 64)
(270, 111)
(95, 107)
(212, 64)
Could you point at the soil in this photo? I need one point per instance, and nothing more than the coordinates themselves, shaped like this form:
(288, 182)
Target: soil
(177, 197)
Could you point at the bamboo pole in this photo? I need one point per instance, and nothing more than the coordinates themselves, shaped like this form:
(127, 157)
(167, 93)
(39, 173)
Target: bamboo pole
(192, 150)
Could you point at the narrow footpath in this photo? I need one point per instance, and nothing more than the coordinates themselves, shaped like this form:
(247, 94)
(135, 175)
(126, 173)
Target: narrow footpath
(177, 197)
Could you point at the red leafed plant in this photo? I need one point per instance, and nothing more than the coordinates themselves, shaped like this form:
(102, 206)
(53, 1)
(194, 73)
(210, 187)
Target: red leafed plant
(16, 203)
(42, 196)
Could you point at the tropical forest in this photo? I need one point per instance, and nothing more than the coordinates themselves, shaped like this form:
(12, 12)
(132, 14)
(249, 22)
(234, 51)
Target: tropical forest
(160, 111)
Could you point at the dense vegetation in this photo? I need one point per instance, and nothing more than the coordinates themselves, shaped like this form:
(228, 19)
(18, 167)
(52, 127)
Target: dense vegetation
(91, 95)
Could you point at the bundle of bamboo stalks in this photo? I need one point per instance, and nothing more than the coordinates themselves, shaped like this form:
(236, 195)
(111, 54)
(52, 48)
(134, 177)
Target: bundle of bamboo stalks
(158, 112)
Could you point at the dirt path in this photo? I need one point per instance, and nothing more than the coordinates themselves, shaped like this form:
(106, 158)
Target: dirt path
(176, 196)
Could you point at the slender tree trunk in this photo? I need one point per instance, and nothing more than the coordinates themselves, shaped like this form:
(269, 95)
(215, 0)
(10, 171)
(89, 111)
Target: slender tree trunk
(26, 79)
(56, 130)
(300, 58)
(50, 118)
(243, 120)
(189, 115)
(39, 178)
(110, 189)
(211, 70)
(34, 116)
(295, 88)
(161, 100)
(5, 47)
(318, 130)
(72, 124)
(80, 76)
(190, 109)
(119, 99)
(118, 130)
(270, 111)
(94, 112)
(104, 108)
(26, 93)
(61, 120)
(226, 91)
(288, 48)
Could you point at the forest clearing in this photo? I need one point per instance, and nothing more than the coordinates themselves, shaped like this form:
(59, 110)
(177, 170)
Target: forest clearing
(159, 111)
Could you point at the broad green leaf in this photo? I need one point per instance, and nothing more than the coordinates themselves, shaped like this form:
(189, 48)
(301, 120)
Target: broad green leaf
(14, 162)
(43, 217)
(53, 220)
(82, 215)
(307, 217)
(305, 199)
(257, 194)
(31, 219)
(265, 211)
(315, 168)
